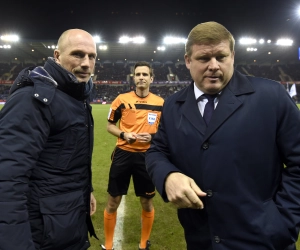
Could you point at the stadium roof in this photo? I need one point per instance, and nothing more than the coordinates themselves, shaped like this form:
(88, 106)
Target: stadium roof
(37, 51)
(38, 21)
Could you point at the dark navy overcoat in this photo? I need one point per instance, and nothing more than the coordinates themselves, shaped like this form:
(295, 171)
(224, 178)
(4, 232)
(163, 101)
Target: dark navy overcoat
(46, 143)
(253, 201)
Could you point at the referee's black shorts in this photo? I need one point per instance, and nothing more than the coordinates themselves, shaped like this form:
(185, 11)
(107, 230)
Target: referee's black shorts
(124, 165)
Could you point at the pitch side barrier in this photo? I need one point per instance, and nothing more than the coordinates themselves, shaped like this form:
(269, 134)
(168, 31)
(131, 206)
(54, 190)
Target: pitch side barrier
(9, 82)
(154, 82)
(110, 82)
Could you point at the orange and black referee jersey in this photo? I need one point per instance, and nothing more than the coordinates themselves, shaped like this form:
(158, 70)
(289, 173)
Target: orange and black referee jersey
(136, 114)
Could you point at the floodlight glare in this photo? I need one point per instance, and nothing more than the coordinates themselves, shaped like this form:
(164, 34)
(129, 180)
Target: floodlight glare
(261, 41)
(103, 47)
(138, 39)
(126, 39)
(10, 38)
(162, 48)
(174, 40)
(96, 39)
(284, 42)
(247, 40)
(251, 49)
(5, 47)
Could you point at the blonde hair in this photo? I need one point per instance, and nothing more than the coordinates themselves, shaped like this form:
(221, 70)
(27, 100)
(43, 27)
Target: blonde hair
(208, 33)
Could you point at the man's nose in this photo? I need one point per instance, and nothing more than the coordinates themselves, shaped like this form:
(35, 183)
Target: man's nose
(213, 64)
(85, 61)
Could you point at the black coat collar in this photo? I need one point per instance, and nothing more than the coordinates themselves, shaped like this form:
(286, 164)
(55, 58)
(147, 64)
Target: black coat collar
(67, 82)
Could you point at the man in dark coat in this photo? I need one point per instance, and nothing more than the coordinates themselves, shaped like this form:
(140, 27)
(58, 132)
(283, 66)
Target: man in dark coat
(46, 144)
(227, 175)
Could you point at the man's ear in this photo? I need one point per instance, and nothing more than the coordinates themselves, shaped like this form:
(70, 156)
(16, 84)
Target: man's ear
(56, 55)
(187, 61)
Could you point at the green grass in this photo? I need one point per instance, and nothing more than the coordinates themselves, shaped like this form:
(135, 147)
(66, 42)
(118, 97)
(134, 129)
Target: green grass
(167, 233)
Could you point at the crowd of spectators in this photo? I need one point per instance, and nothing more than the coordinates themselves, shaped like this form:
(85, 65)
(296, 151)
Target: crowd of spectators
(4, 90)
(168, 78)
(178, 71)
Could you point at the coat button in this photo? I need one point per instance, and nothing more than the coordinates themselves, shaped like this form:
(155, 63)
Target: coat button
(205, 145)
(217, 239)
(36, 95)
(209, 193)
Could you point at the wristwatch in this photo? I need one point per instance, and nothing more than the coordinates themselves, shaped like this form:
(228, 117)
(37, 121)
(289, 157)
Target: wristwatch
(122, 135)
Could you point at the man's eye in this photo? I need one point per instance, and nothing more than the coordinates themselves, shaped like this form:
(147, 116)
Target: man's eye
(203, 59)
(220, 58)
(77, 55)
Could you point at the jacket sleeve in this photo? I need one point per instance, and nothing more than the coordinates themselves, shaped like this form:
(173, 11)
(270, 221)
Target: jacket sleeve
(287, 197)
(157, 159)
(23, 131)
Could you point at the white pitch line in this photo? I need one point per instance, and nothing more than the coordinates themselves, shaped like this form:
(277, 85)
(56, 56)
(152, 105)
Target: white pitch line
(118, 235)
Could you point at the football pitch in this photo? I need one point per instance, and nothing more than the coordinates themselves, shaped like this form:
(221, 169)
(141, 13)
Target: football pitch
(166, 234)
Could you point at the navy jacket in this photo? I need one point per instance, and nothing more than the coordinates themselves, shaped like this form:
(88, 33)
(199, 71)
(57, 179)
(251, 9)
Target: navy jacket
(46, 143)
(252, 201)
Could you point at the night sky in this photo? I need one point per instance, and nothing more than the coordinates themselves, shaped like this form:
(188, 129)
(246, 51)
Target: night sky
(153, 19)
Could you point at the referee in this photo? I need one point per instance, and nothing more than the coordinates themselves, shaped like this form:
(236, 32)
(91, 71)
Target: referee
(137, 114)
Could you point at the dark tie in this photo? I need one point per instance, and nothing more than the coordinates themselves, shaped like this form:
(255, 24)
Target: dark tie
(209, 107)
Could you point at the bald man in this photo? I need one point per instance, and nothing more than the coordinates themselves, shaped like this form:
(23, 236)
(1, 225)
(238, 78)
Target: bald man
(46, 145)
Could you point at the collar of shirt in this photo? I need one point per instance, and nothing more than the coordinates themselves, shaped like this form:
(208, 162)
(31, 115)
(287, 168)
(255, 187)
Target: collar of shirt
(203, 100)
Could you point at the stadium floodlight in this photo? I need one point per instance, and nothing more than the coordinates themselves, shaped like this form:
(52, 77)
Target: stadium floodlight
(10, 38)
(52, 46)
(247, 41)
(261, 41)
(162, 48)
(284, 42)
(174, 40)
(97, 39)
(269, 41)
(5, 47)
(103, 47)
(137, 39)
(251, 49)
(124, 39)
